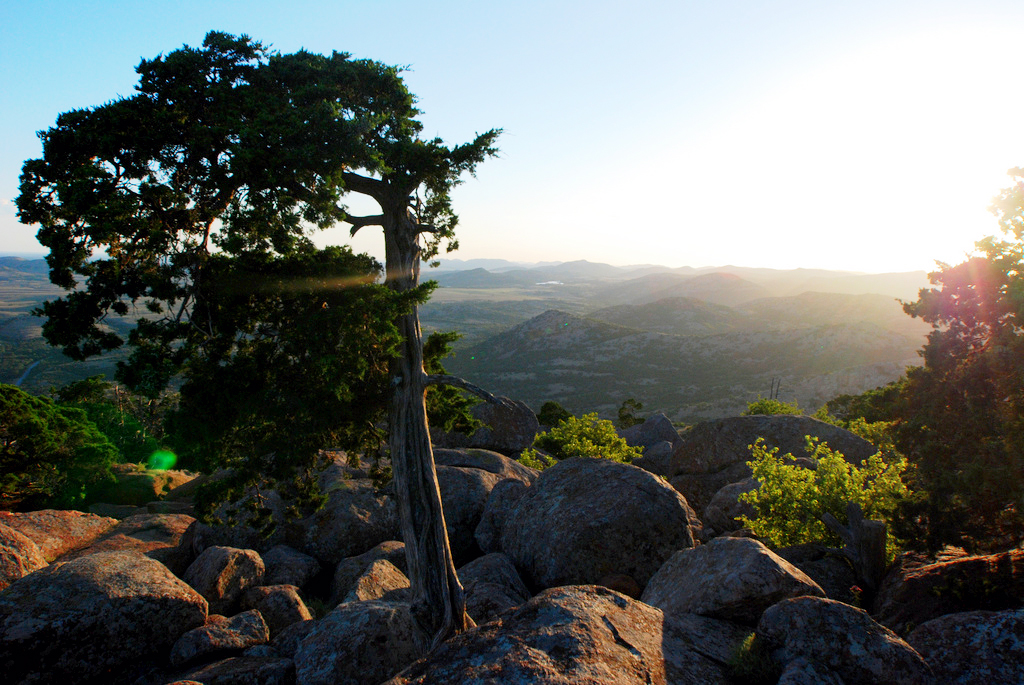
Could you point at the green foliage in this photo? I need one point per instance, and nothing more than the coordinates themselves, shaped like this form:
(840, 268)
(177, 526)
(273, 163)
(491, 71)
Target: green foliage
(447, 408)
(791, 499)
(752, 664)
(587, 436)
(109, 412)
(766, 406)
(49, 455)
(552, 413)
(627, 413)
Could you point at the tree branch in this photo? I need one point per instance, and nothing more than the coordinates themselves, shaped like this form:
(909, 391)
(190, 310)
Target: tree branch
(462, 384)
(364, 184)
(360, 221)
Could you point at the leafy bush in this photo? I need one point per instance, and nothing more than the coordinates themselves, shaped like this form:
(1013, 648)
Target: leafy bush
(552, 413)
(588, 436)
(627, 413)
(93, 396)
(49, 454)
(763, 405)
(792, 499)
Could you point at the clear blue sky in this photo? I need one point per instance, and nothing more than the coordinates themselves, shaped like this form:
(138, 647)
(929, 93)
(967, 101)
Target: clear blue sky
(862, 135)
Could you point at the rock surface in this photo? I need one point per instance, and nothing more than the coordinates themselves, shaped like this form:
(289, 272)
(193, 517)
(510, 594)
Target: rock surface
(730, 578)
(158, 536)
(585, 519)
(355, 519)
(464, 492)
(287, 566)
(568, 635)
(222, 574)
(496, 512)
(842, 639)
(380, 580)
(360, 642)
(82, 620)
(280, 606)
(56, 531)
(349, 570)
(19, 556)
(220, 634)
(973, 647)
(492, 585)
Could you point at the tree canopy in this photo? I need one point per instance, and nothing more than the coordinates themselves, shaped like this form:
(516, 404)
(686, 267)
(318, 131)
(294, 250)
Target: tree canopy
(191, 205)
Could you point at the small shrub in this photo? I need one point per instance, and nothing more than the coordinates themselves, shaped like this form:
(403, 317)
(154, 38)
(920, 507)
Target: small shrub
(752, 663)
(552, 413)
(588, 436)
(768, 407)
(791, 499)
(627, 413)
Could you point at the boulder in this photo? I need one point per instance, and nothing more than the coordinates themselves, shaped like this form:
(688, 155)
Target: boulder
(286, 642)
(222, 574)
(973, 646)
(158, 536)
(723, 511)
(464, 492)
(497, 509)
(842, 639)
(19, 556)
(803, 672)
(654, 430)
(569, 635)
(241, 670)
(360, 642)
(586, 518)
(287, 566)
(832, 572)
(239, 529)
(730, 578)
(220, 635)
(348, 571)
(380, 580)
(715, 453)
(492, 585)
(917, 590)
(508, 428)
(280, 606)
(80, 621)
(56, 531)
(355, 519)
(485, 460)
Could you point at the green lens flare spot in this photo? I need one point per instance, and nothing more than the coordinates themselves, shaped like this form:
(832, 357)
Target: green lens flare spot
(162, 460)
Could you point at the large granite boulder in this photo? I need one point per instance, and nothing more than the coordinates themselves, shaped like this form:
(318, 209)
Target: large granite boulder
(280, 606)
(355, 518)
(496, 513)
(973, 646)
(831, 571)
(380, 580)
(509, 427)
(222, 574)
(464, 492)
(585, 519)
(56, 531)
(492, 585)
(97, 619)
(19, 556)
(917, 590)
(347, 573)
(715, 453)
(723, 511)
(158, 536)
(842, 639)
(287, 566)
(360, 642)
(569, 635)
(220, 634)
(240, 670)
(485, 460)
(730, 578)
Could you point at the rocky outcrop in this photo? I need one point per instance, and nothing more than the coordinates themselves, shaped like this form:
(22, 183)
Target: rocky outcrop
(220, 635)
(19, 556)
(241, 670)
(492, 585)
(349, 570)
(508, 428)
(842, 639)
(832, 572)
(380, 580)
(103, 614)
(287, 566)
(355, 519)
(485, 460)
(464, 492)
(56, 531)
(136, 485)
(569, 635)
(715, 453)
(723, 511)
(496, 512)
(730, 578)
(158, 536)
(585, 519)
(973, 647)
(222, 574)
(360, 642)
(916, 590)
(280, 606)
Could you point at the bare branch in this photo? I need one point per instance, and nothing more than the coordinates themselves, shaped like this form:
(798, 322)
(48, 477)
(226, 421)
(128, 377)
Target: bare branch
(364, 184)
(427, 228)
(360, 221)
(463, 384)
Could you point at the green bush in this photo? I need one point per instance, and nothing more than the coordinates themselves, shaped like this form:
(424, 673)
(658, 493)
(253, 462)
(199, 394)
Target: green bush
(763, 405)
(588, 436)
(791, 500)
(49, 454)
(552, 413)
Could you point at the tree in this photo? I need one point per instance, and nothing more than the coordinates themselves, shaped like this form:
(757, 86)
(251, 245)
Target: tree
(49, 455)
(228, 155)
(627, 413)
(587, 436)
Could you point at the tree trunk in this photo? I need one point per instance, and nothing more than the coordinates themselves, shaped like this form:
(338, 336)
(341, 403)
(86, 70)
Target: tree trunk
(439, 604)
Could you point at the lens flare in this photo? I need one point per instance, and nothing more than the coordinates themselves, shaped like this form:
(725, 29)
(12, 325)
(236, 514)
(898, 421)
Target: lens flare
(162, 460)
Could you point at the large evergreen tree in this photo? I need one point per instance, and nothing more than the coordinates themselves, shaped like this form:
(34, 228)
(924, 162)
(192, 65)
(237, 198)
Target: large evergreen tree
(221, 165)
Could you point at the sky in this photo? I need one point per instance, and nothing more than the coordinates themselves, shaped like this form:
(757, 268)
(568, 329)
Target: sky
(867, 136)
